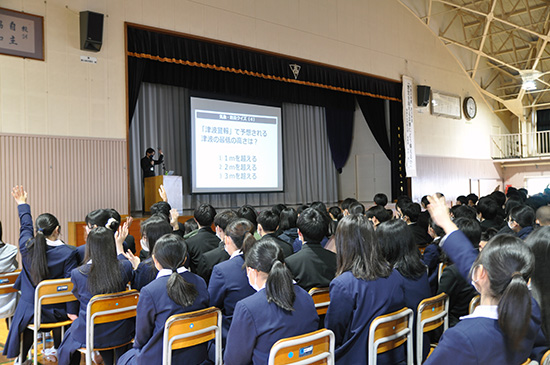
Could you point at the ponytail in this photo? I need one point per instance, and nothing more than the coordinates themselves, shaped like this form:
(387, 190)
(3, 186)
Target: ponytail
(45, 226)
(266, 256)
(39, 268)
(279, 287)
(181, 291)
(509, 264)
(514, 310)
(170, 251)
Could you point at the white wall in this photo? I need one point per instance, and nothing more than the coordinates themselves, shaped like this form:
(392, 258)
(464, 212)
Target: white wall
(62, 96)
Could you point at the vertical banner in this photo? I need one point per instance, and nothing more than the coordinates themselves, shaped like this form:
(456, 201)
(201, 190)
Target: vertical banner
(408, 125)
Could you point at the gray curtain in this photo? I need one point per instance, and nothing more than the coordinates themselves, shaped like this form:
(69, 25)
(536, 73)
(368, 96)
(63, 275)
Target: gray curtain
(161, 119)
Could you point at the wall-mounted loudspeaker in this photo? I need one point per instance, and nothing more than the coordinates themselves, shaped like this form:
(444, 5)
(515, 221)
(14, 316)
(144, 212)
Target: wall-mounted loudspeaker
(423, 95)
(91, 31)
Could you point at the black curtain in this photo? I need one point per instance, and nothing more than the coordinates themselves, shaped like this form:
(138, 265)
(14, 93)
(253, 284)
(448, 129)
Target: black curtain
(136, 69)
(340, 134)
(375, 115)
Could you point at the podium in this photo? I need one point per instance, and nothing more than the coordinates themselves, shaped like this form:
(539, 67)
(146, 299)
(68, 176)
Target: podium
(174, 190)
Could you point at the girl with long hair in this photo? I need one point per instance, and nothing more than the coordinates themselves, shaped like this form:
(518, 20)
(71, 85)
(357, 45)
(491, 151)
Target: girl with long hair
(44, 256)
(101, 273)
(277, 310)
(175, 290)
(365, 287)
(505, 327)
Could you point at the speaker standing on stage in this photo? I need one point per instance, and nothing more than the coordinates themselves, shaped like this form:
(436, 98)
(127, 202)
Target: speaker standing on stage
(148, 163)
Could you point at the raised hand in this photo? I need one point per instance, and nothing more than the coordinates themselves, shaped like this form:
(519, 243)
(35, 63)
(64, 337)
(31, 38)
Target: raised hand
(132, 258)
(440, 213)
(120, 237)
(19, 194)
(162, 193)
(174, 219)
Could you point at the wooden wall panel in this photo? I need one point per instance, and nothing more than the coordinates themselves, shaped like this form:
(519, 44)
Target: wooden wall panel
(65, 176)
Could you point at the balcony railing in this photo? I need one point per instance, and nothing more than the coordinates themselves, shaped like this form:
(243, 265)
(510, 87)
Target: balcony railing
(520, 145)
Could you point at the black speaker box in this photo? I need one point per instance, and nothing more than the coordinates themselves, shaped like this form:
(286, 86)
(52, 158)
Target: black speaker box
(423, 95)
(91, 31)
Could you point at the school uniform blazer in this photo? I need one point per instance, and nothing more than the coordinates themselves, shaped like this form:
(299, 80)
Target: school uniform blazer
(420, 234)
(229, 284)
(107, 334)
(312, 266)
(154, 308)
(354, 303)
(145, 273)
(61, 260)
(204, 241)
(210, 259)
(478, 341)
(462, 253)
(257, 325)
(81, 251)
(285, 246)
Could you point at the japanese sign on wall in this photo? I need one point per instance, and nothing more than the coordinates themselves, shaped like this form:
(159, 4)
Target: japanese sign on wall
(21, 34)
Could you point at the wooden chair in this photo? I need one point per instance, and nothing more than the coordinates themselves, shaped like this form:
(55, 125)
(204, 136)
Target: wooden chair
(312, 348)
(422, 247)
(545, 358)
(474, 303)
(432, 313)
(390, 331)
(7, 280)
(54, 291)
(193, 328)
(321, 298)
(106, 308)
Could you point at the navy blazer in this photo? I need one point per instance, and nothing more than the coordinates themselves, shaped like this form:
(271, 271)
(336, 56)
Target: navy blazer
(154, 308)
(228, 284)
(354, 303)
(462, 253)
(417, 290)
(312, 266)
(257, 325)
(197, 245)
(284, 246)
(145, 273)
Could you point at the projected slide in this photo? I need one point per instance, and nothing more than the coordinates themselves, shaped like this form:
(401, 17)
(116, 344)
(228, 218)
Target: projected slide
(236, 147)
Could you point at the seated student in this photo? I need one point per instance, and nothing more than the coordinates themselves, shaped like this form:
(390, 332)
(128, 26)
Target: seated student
(461, 200)
(108, 218)
(409, 212)
(44, 256)
(542, 216)
(356, 208)
(248, 212)
(463, 211)
(487, 210)
(398, 248)
(365, 287)
(460, 291)
(171, 214)
(278, 310)
(268, 222)
(505, 328)
(287, 225)
(472, 199)
(432, 254)
(151, 230)
(175, 290)
(205, 239)
(380, 200)
(228, 283)
(219, 254)
(346, 204)
(8, 263)
(190, 227)
(102, 273)
(377, 215)
(321, 208)
(521, 220)
(312, 266)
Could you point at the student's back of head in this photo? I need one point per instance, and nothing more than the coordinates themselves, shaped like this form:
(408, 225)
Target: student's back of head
(461, 200)
(523, 215)
(471, 229)
(312, 225)
(287, 219)
(542, 216)
(152, 229)
(269, 221)
(380, 199)
(278, 208)
(487, 207)
(410, 210)
(380, 213)
(161, 207)
(222, 219)
(249, 213)
(204, 215)
(346, 203)
(463, 211)
(356, 208)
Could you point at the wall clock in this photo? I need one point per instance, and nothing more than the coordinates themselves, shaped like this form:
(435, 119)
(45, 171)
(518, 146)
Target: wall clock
(470, 107)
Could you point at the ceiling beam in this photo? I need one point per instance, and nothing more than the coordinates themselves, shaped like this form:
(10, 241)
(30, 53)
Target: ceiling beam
(489, 19)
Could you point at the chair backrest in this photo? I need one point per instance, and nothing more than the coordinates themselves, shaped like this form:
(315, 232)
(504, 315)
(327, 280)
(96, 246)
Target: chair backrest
(53, 291)
(321, 298)
(7, 279)
(422, 248)
(545, 358)
(106, 308)
(432, 313)
(473, 304)
(390, 331)
(311, 348)
(192, 328)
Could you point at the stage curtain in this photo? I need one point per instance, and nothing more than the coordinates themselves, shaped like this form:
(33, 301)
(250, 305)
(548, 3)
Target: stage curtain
(340, 135)
(162, 120)
(374, 112)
